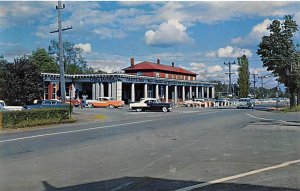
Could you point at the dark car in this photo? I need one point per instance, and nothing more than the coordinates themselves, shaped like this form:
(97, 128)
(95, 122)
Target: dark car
(151, 104)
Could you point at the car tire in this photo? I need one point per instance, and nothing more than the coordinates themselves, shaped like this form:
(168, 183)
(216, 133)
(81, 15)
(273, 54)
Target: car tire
(110, 106)
(139, 109)
(164, 109)
(90, 105)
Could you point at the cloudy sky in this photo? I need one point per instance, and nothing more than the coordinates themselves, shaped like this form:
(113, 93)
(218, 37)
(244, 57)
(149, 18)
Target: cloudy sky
(199, 36)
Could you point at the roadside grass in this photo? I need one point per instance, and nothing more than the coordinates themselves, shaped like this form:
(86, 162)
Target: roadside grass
(288, 109)
(99, 117)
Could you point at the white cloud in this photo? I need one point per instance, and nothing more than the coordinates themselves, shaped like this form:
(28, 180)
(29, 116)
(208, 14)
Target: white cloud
(104, 33)
(257, 32)
(211, 54)
(168, 33)
(86, 48)
(109, 66)
(233, 52)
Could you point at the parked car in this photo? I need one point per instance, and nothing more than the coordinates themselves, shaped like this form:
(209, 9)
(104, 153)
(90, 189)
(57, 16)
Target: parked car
(4, 107)
(245, 103)
(46, 104)
(74, 102)
(151, 104)
(194, 102)
(105, 102)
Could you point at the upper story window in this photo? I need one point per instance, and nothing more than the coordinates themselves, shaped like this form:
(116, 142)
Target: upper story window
(157, 74)
(193, 78)
(189, 78)
(167, 75)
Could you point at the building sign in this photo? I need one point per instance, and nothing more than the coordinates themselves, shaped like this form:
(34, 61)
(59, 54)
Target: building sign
(102, 79)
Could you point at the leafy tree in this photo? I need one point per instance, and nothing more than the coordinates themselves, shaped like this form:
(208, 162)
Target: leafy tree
(243, 79)
(278, 53)
(44, 61)
(3, 62)
(23, 81)
(73, 60)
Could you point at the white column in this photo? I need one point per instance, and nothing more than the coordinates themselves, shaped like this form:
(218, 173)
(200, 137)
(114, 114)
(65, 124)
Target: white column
(101, 90)
(213, 92)
(109, 89)
(207, 92)
(145, 90)
(167, 94)
(97, 91)
(176, 95)
(191, 93)
(114, 90)
(132, 93)
(156, 91)
(119, 90)
(73, 91)
(57, 87)
(93, 91)
(197, 92)
(183, 93)
(202, 92)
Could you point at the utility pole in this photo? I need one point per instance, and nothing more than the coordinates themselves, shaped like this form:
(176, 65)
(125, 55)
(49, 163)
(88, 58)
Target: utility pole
(254, 82)
(262, 85)
(59, 7)
(229, 75)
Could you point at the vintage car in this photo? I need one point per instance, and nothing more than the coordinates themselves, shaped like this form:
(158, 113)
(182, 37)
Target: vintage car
(151, 104)
(74, 102)
(105, 102)
(245, 103)
(196, 102)
(4, 107)
(46, 104)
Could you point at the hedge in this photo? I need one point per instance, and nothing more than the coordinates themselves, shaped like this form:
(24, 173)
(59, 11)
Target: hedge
(25, 118)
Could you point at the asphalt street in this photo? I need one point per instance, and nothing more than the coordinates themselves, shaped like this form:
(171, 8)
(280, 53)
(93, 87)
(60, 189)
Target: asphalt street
(187, 149)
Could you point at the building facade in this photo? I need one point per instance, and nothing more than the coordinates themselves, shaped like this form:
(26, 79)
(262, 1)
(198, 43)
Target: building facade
(146, 79)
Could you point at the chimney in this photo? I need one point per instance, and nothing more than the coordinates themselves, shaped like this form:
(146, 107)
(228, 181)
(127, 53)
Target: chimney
(158, 61)
(172, 64)
(131, 62)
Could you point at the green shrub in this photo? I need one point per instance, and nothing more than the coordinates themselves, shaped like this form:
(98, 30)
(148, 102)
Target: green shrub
(24, 118)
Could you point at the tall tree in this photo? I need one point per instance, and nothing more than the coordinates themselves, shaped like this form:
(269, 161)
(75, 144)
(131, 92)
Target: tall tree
(23, 81)
(243, 79)
(74, 62)
(44, 61)
(278, 53)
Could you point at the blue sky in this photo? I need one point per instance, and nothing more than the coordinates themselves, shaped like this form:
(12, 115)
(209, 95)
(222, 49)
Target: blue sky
(199, 36)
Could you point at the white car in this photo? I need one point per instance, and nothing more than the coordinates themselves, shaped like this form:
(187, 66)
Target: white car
(245, 103)
(194, 102)
(4, 107)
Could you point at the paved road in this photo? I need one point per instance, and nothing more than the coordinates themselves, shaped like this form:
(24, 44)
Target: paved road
(188, 149)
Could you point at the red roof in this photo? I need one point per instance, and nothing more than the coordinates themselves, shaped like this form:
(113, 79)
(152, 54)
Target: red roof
(154, 66)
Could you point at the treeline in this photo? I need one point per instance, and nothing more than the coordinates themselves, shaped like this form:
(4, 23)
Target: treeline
(21, 81)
